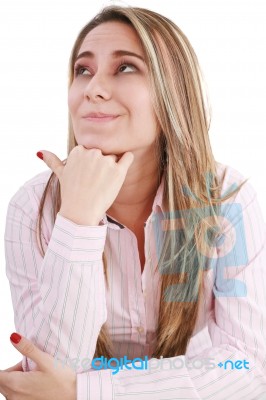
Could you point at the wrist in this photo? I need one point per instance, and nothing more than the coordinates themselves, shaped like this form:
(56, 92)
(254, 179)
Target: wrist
(89, 220)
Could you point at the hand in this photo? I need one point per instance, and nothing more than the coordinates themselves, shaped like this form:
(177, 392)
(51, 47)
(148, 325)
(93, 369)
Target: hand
(89, 182)
(46, 382)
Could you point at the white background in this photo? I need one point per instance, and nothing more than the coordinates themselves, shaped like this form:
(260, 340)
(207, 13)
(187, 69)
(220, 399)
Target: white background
(36, 38)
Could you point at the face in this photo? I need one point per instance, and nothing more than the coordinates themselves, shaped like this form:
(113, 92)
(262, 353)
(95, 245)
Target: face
(109, 99)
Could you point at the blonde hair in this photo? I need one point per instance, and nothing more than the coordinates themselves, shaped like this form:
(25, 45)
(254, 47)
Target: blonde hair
(190, 180)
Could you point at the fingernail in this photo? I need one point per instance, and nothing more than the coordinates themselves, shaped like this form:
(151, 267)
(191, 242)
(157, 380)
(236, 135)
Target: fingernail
(40, 155)
(15, 338)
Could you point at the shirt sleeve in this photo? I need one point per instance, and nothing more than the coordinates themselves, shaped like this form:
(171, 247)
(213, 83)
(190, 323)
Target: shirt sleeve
(58, 300)
(234, 366)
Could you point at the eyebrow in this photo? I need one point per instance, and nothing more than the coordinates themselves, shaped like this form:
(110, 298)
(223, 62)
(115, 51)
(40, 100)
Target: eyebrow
(115, 54)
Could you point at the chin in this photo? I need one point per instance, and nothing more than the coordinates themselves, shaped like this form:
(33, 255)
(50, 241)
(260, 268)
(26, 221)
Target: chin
(106, 148)
(104, 151)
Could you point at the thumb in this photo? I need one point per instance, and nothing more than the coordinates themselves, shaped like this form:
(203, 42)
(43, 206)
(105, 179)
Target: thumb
(52, 161)
(28, 349)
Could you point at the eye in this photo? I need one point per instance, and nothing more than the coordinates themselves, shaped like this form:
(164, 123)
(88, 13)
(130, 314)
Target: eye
(124, 66)
(79, 70)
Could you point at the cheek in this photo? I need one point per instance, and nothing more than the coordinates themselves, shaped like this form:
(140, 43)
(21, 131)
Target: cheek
(143, 102)
(72, 99)
(145, 111)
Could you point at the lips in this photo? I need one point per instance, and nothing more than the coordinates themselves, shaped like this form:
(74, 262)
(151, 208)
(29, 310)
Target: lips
(100, 117)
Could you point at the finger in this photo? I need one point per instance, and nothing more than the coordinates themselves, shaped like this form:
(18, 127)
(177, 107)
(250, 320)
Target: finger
(53, 162)
(17, 367)
(126, 160)
(28, 349)
(112, 156)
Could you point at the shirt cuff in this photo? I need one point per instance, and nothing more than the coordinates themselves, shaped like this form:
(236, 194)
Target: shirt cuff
(95, 385)
(77, 243)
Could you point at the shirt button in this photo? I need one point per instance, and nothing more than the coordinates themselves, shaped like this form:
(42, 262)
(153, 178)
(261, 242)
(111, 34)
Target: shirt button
(140, 329)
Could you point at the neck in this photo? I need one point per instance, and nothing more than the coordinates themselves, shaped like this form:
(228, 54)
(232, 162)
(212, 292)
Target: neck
(133, 204)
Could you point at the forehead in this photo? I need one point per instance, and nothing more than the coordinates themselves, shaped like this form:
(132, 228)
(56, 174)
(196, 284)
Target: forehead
(112, 36)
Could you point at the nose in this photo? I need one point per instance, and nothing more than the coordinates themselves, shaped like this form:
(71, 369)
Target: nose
(98, 88)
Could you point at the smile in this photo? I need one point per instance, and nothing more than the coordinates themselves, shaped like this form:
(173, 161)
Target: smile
(101, 119)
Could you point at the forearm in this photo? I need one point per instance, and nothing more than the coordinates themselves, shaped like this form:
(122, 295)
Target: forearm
(59, 300)
(178, 378)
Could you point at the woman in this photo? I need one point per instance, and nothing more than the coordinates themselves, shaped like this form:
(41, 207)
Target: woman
(140, 244)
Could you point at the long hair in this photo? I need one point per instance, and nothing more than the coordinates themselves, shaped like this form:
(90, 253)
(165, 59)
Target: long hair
(192, 188)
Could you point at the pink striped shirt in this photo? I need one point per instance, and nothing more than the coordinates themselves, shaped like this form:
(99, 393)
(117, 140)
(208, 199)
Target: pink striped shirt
(61, 301)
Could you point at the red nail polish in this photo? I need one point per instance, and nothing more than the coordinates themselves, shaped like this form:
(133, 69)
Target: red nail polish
(15, 338)
(40, 155)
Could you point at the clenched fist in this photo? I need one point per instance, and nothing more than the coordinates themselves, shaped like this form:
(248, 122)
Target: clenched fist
(90, 182)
